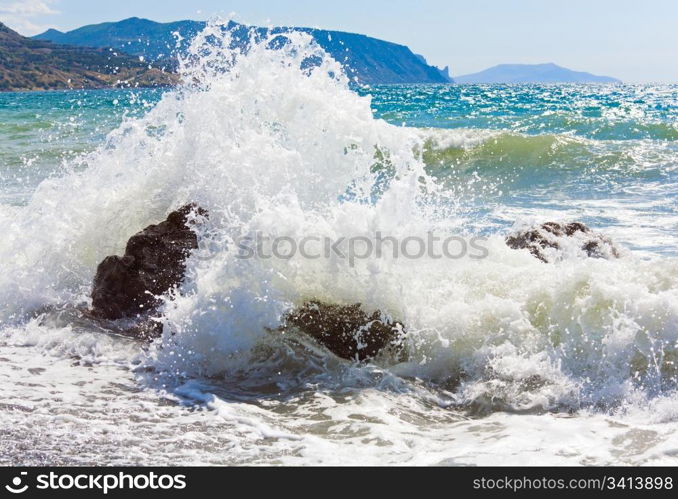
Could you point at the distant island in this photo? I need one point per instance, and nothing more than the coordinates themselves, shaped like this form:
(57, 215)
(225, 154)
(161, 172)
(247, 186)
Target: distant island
(27, 64)
(532, 73)
(368, 60)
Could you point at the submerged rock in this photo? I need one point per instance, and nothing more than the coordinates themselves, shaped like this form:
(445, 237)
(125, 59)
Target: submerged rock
(153, 263)
(347, 330)
(542, 239)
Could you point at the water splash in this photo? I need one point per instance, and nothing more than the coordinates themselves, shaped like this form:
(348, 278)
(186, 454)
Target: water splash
(272, 138)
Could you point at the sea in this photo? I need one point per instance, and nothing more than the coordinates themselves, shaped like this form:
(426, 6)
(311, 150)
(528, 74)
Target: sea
(505, 359)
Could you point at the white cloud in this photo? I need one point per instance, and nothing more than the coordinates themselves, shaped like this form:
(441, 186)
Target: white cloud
(19, 14)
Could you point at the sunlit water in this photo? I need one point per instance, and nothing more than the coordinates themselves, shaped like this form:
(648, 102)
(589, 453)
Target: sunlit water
(508, 360)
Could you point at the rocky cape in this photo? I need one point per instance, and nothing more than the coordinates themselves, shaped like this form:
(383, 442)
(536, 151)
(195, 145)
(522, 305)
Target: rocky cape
(369, 60)
(28, 64)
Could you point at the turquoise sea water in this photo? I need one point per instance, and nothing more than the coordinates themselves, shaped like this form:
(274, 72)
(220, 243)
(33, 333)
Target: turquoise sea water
(505, 359)
(605, 154)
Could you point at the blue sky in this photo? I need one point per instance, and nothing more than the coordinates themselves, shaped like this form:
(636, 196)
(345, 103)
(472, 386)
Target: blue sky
(629, 39)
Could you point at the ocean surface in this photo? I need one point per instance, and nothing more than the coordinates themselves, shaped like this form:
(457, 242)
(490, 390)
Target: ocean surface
(507, 360)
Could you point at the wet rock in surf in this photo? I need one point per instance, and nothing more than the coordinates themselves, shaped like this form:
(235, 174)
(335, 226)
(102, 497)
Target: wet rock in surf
(153, 263)
(547, 240)
(347, 331)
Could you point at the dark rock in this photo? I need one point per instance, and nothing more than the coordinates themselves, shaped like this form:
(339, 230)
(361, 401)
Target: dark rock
(153, 263)
(347, 331)
(552, 235)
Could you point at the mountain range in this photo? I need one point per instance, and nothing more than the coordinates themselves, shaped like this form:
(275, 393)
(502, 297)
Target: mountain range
(369, 60)
(136, 51)
(27, 64)
(532, 73)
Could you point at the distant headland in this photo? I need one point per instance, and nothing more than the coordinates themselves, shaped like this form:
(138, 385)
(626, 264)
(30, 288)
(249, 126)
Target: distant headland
(368, 60)
(533, 73)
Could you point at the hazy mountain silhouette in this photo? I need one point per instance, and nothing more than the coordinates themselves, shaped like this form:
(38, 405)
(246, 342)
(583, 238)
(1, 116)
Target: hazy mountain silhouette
(532, 73)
